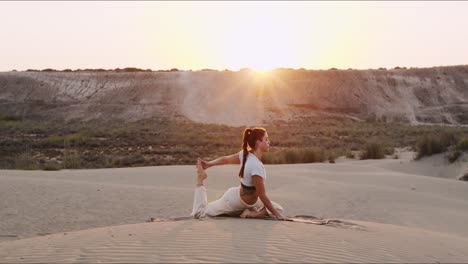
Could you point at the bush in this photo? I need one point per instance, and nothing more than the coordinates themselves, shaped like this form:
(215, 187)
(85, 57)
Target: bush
(454, 155)
(10, 118)
(430, 145)
(72, 138)
(295, 155)
(25, 161)
(51, 166)
(292, 156)
(71, 160)
(463, 145)
(269, 158)
(310, 155)
(373, 150)
(129, 160)
(464, 177)
(350, 155)
(389, 151)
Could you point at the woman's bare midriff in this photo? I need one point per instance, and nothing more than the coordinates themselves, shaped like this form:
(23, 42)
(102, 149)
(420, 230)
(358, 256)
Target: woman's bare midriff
(248, 196)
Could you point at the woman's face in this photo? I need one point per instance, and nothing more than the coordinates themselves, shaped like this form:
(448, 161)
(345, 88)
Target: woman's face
(264, 144)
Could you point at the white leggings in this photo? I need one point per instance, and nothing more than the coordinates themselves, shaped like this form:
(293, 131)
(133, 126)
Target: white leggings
(230, 203)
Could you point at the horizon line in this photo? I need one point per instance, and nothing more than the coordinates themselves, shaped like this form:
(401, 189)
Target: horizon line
(174, 69)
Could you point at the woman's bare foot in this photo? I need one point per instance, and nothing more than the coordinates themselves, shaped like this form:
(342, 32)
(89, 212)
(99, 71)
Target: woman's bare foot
(201, 174)
(245, 214)
(254, 214)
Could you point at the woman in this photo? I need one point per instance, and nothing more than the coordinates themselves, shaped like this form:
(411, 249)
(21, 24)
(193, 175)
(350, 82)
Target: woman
(249, 200)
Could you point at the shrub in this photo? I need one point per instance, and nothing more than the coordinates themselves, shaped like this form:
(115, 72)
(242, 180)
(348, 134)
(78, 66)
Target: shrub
(292, 156)
(71, 159)
(310, 155)
(130, 160)
(463, 145)
(25, 161)
(295, 155)
(430, 145)
(389, 151)
(454, 155)
(72, 138)
(464, 177)
(10, 118)
(51, 166)
(269, 158)
(373, 150)
(350, 155)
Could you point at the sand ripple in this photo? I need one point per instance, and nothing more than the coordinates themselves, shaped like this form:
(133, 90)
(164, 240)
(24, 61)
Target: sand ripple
(239, 240)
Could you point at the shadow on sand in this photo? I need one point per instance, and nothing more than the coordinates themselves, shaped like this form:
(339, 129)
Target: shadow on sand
(305, 219)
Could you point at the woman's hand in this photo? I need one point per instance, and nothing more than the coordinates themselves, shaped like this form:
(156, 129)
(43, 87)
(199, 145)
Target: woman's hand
(281, 217)
(205, 164)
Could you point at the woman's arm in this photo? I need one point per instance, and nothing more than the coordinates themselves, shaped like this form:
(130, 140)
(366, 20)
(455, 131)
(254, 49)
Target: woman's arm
(231, 159)
(260, 188)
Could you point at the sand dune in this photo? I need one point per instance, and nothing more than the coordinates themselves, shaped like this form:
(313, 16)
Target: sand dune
(237, 240)
(99, 215)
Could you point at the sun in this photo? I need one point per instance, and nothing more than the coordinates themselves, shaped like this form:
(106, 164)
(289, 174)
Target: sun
(263, 73)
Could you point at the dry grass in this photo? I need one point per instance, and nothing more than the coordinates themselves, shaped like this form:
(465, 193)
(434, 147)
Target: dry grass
(373, 150)
(115, 143)
(434, 144)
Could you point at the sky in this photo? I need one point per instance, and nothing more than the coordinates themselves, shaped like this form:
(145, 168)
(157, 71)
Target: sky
(232, 35)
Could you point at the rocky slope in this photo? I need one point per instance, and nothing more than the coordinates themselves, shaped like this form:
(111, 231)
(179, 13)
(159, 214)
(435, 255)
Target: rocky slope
(427, 95)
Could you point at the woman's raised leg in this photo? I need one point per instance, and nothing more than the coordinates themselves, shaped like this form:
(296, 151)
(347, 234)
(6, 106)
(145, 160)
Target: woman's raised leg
(200, 200)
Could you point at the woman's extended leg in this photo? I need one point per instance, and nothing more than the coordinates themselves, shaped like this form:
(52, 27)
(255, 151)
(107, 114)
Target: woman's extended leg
(200, 201)
(201, 207)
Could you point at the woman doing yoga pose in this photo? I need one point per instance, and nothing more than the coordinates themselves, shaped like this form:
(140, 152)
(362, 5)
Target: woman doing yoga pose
(249, 199)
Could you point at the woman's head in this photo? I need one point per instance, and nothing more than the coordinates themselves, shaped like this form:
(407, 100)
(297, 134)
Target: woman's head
(253, 139)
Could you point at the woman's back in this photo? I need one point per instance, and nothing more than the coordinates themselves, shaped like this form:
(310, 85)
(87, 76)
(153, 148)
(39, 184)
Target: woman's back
(253, 166)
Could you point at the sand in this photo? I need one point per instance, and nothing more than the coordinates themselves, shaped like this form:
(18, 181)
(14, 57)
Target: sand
(100, 215)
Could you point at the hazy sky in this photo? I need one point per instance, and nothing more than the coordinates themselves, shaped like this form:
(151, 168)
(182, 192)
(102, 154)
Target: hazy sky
(233, 35)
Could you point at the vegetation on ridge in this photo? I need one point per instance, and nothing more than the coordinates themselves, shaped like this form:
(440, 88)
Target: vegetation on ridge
(51, 145)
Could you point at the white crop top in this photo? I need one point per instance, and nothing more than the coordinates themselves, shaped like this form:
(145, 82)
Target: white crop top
(253, 166)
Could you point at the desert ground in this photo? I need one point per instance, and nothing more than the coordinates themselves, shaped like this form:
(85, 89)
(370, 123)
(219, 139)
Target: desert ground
(387, 210)
(90, 119)
(81, 155)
